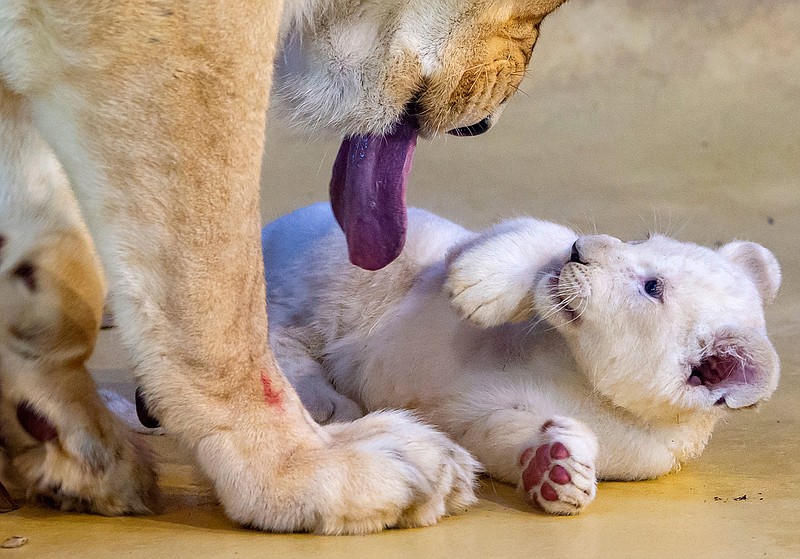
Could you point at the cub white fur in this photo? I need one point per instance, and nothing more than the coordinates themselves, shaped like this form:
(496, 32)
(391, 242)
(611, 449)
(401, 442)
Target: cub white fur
(556, 359)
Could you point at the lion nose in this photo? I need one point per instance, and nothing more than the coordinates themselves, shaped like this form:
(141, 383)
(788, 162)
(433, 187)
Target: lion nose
(475, 130)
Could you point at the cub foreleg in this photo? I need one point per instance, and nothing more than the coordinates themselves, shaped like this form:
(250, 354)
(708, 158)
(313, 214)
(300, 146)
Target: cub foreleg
(489, 277)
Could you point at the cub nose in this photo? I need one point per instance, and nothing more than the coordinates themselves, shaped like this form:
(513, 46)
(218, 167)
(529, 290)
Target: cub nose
(575, 254)
(475, 130)
(592, 249)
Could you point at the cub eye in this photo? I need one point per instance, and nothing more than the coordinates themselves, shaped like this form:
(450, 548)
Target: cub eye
(654, 288)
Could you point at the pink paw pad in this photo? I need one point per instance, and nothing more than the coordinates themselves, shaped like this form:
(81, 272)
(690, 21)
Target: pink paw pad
(541, 470)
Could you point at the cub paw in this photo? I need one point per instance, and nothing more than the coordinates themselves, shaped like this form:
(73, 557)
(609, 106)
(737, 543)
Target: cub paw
(558, 472)
(485, 290)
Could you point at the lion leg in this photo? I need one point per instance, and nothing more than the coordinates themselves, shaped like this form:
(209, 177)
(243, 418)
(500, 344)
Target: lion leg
(59, 441)
(161, 137)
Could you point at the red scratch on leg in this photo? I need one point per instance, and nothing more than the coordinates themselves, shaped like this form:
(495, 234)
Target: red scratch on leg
(272, 397)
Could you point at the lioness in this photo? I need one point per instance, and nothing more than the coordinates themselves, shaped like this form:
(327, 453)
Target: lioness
(155, 111)
(556, 359)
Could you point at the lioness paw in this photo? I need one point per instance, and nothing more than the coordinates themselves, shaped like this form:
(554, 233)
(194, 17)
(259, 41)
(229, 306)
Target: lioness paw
(410, 474)
(111, 475)
(558, 473)
(384, 470)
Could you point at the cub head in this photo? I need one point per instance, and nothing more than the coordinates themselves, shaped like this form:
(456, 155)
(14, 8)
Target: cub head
(662, 326)
(355, 67)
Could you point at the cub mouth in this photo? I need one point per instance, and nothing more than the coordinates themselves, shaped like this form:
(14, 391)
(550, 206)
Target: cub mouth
(723, 375)
(701, 377)
(564, 294)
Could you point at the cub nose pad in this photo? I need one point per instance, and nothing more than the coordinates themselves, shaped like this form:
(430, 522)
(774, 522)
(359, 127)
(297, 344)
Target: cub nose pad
(575, 254)
(475, 130)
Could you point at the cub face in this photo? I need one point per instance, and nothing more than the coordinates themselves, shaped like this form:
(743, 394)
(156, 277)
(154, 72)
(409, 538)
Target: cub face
(662, 326)
(356, 66)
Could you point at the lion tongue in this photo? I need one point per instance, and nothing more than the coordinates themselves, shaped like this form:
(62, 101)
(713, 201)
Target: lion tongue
(368, 193)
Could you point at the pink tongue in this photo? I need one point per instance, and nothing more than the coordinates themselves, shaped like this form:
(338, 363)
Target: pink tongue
(368, 193)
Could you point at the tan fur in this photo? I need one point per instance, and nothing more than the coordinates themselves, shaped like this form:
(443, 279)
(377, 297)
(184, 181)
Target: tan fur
(155, 111)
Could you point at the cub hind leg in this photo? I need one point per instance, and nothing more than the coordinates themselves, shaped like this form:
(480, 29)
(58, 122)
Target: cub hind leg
(551, 458)
(308, 378)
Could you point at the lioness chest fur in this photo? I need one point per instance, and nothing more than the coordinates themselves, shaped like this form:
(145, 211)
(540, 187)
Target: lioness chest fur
(556, 359)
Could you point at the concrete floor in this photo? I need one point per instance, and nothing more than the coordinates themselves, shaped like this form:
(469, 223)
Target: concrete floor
(678, 116)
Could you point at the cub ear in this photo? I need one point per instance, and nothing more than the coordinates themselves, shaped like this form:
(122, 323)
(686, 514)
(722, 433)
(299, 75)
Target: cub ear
(760, 265)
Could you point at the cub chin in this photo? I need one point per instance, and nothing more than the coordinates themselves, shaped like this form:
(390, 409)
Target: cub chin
(556, 359)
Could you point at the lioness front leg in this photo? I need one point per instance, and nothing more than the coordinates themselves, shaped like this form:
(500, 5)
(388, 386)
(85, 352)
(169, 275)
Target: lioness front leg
(550, 458)
(162, 141)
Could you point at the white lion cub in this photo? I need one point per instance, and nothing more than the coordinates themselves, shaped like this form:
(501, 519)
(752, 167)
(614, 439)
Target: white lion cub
(556, 359)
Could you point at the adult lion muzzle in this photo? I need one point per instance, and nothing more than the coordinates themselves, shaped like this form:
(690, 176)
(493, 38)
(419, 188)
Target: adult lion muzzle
(383, 74)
